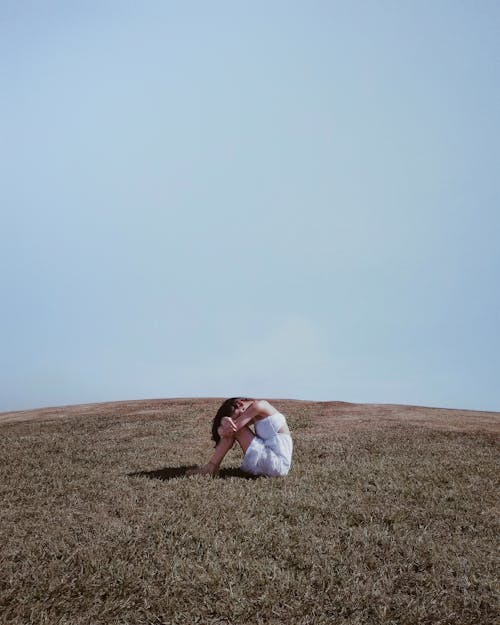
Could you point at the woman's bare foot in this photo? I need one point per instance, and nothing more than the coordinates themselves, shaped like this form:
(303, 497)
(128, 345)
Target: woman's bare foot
(209, 469)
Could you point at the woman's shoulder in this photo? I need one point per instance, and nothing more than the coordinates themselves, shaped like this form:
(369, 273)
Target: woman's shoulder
(264, 408)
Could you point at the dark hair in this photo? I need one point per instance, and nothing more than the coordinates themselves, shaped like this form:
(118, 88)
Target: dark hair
(226, 410)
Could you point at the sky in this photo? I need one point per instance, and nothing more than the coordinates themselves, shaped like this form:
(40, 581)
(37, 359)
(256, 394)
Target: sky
(280, 199)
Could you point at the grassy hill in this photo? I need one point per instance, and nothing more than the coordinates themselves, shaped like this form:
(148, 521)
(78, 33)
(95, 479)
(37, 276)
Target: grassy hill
(389, 515)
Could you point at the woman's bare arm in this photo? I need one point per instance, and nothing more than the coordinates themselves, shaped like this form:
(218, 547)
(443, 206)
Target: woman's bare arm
(259, 408)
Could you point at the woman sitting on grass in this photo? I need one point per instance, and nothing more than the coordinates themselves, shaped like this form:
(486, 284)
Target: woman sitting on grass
(268, 451)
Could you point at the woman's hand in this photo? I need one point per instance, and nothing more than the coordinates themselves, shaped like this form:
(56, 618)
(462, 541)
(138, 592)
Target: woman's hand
(227, 427)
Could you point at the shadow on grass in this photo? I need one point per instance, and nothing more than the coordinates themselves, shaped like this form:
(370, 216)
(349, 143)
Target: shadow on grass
(170, 473)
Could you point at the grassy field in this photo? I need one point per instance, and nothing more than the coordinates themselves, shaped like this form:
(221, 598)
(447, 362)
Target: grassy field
(389, 515)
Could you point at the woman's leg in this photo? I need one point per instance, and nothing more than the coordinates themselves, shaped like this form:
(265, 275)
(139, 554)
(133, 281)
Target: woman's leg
(212, 466)
(244, 438)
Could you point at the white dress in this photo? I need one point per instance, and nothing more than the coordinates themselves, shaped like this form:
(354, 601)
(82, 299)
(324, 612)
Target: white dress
(269, 453)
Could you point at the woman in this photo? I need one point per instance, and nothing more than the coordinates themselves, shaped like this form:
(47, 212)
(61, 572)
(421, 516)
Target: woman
(268, 451)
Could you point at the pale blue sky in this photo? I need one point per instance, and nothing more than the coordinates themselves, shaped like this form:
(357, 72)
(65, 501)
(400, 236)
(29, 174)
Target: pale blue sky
(269, 198)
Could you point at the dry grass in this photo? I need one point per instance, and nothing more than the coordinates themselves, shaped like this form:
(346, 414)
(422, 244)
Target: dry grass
(388, 516)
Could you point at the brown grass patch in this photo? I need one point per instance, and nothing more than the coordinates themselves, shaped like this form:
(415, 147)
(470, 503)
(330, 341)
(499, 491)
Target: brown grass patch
(389, 515)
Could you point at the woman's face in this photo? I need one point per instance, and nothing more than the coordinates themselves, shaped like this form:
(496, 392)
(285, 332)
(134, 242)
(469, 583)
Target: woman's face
(238, 410)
